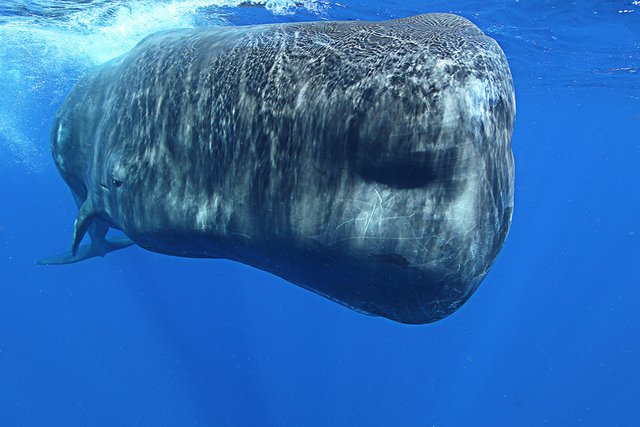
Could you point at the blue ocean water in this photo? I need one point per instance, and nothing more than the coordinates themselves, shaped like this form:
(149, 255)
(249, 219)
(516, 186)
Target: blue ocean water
(551, 337)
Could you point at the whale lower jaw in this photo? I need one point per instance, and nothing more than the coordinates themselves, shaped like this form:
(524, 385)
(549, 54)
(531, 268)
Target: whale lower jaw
(368, 283)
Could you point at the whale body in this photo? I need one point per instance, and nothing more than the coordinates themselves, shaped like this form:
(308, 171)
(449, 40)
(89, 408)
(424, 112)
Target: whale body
(368, 162)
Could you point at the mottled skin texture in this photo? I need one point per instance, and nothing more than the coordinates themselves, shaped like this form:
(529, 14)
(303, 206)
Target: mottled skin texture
(369, 162)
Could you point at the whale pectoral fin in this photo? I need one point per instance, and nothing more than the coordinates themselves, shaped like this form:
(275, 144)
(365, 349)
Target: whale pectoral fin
(95, 249)
(86, 216)
(99, 246)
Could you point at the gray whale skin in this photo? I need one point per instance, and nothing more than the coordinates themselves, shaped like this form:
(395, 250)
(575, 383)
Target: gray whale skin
(369, 162)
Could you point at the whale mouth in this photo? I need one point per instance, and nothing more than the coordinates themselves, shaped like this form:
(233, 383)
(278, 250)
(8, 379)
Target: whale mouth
(392, 258)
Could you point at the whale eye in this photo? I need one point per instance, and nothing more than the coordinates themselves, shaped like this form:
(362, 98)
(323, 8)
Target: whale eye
(116, 182)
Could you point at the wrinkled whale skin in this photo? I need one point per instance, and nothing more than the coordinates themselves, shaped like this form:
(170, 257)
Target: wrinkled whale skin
(369, 162)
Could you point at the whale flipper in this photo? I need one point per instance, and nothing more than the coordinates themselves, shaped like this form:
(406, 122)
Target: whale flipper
(87, 251)
(99, 246)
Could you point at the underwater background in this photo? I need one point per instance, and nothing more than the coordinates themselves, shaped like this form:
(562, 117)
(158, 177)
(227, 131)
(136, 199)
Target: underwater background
(551, 337)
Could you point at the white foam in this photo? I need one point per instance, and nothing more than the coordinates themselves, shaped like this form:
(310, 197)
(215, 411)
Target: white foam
(103, 32)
